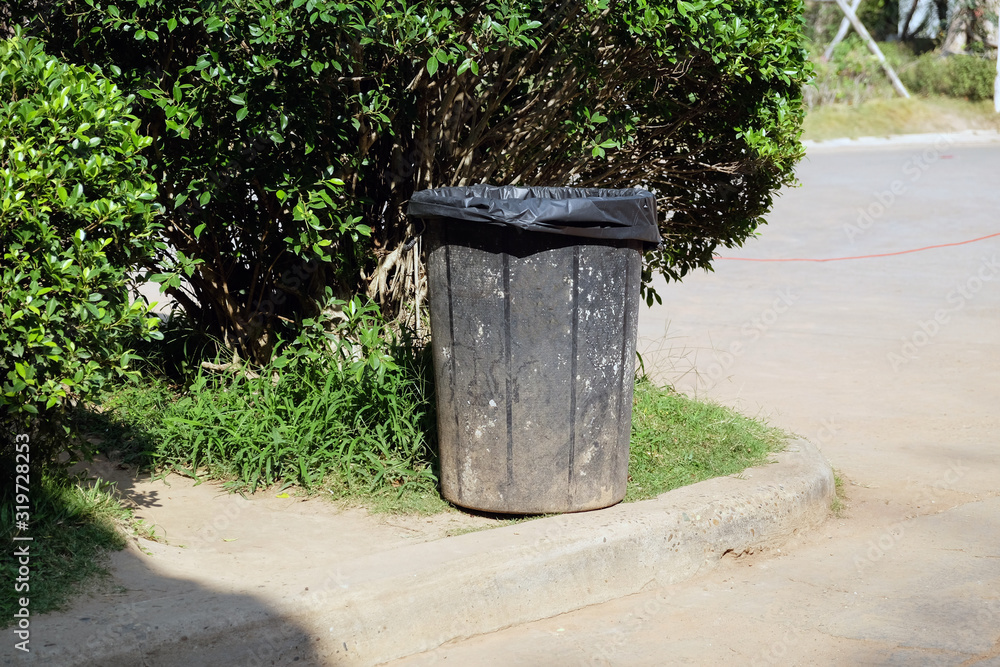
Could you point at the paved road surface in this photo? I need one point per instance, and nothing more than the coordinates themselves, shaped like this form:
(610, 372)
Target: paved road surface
(892, 365)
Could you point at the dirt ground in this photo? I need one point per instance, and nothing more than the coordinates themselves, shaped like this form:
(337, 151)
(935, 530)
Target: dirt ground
(203, 529)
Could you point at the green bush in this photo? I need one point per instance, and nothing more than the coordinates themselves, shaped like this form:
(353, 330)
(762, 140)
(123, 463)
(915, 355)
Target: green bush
(853, 74)
(290, 134)
(959, 76)
(348, 410)
(76, 213)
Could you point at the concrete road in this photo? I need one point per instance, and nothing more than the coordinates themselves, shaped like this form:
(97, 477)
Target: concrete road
(891, 364)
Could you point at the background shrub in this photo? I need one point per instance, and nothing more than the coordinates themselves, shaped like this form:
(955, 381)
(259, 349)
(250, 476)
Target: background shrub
(288, 135)
(852, 75)
(76, 213)
(965, 76)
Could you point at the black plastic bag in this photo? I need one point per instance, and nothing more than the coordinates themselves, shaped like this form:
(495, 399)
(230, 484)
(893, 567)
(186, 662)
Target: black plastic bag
(596, 213)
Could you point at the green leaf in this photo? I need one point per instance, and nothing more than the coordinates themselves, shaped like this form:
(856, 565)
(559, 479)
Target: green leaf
(747, 57)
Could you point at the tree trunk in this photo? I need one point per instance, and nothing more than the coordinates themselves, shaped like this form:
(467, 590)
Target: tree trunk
(904, 33)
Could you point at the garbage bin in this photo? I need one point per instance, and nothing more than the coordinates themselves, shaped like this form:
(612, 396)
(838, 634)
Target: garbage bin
(534, 296)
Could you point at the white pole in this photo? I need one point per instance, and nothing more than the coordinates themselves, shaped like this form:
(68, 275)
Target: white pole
(996, 82)
(872, 46)
(841, 32)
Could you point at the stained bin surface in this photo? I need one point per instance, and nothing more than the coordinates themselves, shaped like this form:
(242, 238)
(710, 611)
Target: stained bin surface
(534, 296)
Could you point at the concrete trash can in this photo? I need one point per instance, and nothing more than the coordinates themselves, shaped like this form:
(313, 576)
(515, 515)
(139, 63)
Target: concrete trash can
(534, 296)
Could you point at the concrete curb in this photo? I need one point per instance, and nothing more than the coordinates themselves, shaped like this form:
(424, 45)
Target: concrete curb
(412, 599)
(942, 139)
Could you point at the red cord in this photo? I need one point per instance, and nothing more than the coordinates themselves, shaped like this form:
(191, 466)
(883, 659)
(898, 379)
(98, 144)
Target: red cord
(841, 259)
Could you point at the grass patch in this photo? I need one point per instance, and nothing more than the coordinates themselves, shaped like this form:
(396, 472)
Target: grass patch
(345, 410)
(74, 525)
(884, 117)
(838, 506)
(303, 431)
(322, 428)
(678, 441)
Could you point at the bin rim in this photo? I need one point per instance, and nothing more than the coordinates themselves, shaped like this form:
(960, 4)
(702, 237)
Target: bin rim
(597, 213)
